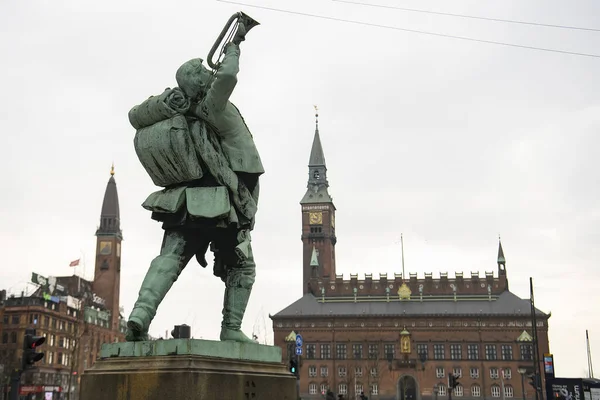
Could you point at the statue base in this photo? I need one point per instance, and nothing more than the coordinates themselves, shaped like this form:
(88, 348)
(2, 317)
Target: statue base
(186, 369)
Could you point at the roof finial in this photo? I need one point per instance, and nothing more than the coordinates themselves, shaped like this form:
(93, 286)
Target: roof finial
(316, 115)
(112, 169)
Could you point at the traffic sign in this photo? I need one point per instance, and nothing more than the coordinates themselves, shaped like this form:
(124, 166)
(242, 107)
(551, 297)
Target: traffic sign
(299, 340)
(298, 351)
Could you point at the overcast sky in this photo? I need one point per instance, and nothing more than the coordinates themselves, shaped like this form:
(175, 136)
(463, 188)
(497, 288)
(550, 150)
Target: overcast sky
(447, 141)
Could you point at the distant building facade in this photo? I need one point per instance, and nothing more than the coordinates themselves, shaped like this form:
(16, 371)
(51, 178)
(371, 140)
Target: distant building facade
(400, 337)
(74, 315)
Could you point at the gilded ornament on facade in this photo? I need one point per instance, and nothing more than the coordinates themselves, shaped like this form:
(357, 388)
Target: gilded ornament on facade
(404, 292)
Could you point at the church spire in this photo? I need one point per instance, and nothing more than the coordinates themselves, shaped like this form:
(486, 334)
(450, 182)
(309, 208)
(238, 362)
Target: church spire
(110, 224)
(317, 171)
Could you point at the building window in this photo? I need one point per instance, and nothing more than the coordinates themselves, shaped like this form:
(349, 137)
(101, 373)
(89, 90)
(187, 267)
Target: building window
(439, 372)
(341, 351)
(324, 388)
(343, 388)
(458, 391)
(5, 320)
(374, 372)
(508, 391)
(526, 352)
(476, 391)
(358, 388)
(457, 372)
(15, 320)
(473, 352)
(312, 371)
(507, 352)
(495, 391)
(423, 351)
(373, 351)
(312, 388)
(490, 352)
(51, 340)
(506, 373)
(438, 351)
(374, 389)
(358, 371)
(311, 350)
(13, 337)
(325, 351)
(494, 373)
(324, 371)
(474, 372)
(342, 372)
(357, 350)
(4, 338)
(456, 352)
(388, 349)
(441, 389)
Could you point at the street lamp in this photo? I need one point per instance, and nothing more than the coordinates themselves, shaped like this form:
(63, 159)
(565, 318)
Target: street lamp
(522, 371)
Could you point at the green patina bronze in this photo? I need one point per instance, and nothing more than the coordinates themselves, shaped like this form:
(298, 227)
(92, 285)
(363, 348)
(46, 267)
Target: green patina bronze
(195, 144)
(195, 347)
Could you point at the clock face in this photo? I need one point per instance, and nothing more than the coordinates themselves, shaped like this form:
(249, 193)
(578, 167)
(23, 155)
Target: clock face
(315, 218)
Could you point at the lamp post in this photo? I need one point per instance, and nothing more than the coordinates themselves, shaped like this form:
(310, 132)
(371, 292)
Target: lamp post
(522, 371)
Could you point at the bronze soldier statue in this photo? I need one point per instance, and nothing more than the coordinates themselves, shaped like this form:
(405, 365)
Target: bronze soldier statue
(194, 142)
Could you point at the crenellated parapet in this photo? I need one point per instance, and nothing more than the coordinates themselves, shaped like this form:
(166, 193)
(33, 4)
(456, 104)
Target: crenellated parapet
(425, 285)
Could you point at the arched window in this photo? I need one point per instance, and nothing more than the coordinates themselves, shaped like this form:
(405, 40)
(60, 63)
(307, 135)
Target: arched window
(324, 387)
(358, 388)
(441, 389)
(342, 388)
(476, 391)
(495, 391)
(458, 391)
(312, 388)
(508, 391)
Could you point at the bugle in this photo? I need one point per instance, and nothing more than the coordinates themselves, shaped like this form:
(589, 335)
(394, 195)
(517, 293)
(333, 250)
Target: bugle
(249, 23)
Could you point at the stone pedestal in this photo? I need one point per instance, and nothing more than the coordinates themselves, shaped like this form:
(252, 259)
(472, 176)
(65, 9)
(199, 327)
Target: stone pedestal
(186, 369)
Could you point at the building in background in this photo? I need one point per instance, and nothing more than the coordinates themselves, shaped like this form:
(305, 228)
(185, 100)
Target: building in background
(400, 337)
(74, 315)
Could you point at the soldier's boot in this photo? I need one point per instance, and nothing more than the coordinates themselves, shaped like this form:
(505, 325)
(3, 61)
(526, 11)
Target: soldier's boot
(163, 272)
(234, 307)
(238, 286)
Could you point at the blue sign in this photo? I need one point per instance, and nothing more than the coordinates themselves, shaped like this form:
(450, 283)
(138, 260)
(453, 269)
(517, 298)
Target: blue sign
(298, 351)
(299, 340)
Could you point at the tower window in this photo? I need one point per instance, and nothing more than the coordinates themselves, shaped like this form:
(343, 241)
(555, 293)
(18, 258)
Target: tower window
(104, 265)
(316, 175)
(316, 229)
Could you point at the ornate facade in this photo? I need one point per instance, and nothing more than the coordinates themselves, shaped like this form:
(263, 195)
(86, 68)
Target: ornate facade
(398, 337)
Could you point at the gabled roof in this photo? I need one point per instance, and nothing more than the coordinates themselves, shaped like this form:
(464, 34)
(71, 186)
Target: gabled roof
(506, 304)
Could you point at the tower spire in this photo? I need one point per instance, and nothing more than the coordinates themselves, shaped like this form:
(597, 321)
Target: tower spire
(501, 260)
(317, 170)
(110, 224)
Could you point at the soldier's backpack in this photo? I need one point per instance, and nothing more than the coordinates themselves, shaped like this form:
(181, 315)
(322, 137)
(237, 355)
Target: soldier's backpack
(162, 142)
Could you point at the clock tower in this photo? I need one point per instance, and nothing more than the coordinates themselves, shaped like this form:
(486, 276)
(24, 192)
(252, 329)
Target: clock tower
(107, 272)
(318, 220)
